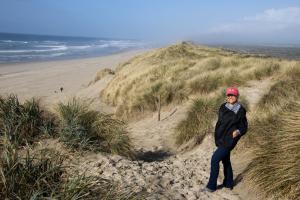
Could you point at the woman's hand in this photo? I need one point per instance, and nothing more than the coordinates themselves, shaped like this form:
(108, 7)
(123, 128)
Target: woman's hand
(235, 133)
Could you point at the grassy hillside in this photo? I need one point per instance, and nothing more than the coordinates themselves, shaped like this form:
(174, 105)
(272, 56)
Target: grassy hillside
(174, 73)
(183, 70)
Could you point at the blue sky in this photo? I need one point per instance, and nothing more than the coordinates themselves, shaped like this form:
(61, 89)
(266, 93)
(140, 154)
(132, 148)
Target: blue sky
(214, 21)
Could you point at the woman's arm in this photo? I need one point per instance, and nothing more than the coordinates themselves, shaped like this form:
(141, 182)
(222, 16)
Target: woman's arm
(217, 133)
(243, 124)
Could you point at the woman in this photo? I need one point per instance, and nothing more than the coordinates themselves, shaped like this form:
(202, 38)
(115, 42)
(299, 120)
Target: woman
(231, 126)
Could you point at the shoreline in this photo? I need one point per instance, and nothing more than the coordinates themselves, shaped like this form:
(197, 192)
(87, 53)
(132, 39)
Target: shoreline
(44, 79)
(69, 58)
(62, 60)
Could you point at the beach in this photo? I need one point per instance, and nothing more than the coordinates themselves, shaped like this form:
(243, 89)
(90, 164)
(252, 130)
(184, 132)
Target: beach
(149, 100)
(44, 79)
(167, 161)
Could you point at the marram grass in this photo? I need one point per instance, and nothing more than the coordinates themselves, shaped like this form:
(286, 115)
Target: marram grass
(275, 168)
(200, 118)
(180, 71)
(23, 123)
(198, 122)
(274, 134)
(101, 74)
(43, 175)
(86, 129)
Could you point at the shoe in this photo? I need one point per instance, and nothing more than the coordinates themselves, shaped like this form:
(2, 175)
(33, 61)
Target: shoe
(223, 186)
(229, 188)
(220, 186)
(206, 189)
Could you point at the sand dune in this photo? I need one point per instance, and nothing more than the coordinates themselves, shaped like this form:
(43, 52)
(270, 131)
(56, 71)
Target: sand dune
(159, 168)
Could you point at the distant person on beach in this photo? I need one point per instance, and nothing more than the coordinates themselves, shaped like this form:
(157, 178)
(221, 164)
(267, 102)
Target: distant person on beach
(231, 126)
(61, 89)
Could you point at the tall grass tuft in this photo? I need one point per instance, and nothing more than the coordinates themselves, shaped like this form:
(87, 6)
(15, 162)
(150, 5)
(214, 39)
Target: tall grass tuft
(266, 71)
(84, 187)
(199, 120)
(233, 78)
(101, 74)
(76, 125)
(213, 63)
(86, 129)
(275, 168)
(43, 175)
(283, 91)
(30, 176)
(113, 131)
(274, 135)
(23, 123)
(205, 84)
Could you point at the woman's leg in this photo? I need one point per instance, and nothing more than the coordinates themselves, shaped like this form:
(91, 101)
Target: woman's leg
(228, 175)
(217, 156)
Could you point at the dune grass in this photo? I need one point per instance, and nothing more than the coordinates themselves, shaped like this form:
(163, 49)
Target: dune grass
(283, 91)
(43, 175)
(86, 129)
(24, 123)
(275, 168)
(268, 70)
(76, 124)
(200, 118)
(176, 72)
(274, 136)
(29, 176)
(101, 74)
(205, 84)
(198, 122)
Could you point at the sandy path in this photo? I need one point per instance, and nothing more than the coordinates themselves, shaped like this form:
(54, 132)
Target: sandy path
(254, 90)
(149, 134)
(178, 177)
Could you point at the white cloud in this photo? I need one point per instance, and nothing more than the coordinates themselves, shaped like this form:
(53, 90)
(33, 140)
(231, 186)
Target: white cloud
(284, 20)
(284, 15)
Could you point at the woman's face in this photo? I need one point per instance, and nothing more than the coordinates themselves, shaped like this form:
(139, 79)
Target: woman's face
(231, 99)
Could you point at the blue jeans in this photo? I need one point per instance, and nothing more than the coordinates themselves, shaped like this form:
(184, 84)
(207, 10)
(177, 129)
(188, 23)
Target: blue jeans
(221, 154)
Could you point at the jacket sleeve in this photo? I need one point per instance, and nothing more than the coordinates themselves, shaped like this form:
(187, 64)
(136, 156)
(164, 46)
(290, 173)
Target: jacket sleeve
(220, 115)
(243, 124)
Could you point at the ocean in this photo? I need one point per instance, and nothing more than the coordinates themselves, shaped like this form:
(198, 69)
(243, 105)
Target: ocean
(27, 47)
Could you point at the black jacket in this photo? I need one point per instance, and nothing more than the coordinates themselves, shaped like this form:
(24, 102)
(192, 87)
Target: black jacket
(228, 122)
